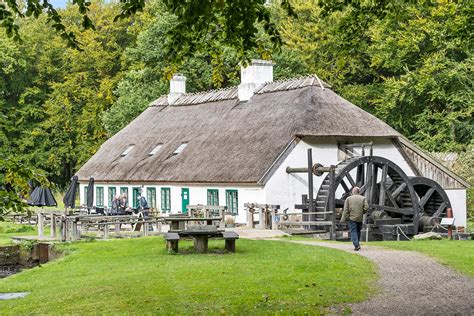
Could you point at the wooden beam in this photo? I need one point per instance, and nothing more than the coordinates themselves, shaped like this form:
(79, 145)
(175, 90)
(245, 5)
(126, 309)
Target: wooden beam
(399, 190)
(425, 198)
(382, 185)
(440, 209)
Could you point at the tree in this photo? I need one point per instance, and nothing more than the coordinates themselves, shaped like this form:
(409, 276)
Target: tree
(409, 64)
(198, 23)
(14, 184)
(149, 72)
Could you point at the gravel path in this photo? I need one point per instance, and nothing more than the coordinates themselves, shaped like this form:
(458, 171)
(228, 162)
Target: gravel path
(411, 284)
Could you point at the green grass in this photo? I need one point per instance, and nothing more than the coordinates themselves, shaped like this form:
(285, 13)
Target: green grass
(458, 254)
(138, 276)
(8, 229)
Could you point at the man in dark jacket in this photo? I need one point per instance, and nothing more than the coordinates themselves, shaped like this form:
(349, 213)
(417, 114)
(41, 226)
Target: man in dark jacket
(355, 207)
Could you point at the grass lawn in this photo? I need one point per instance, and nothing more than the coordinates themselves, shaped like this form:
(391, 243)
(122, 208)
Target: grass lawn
(8, 229)
(458, 254)
(138, 276)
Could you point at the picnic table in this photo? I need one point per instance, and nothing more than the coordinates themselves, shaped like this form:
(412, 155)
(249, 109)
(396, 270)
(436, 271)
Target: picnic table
(201, 235)
(179, 223)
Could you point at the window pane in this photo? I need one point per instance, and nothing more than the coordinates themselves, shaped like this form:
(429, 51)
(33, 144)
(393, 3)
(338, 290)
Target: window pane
(232, 201)
(165, 199)
(126, 151)
(180, 149)
(99, 199)
(124, 191)
(151, 197)
(112, 192)
(155, 150)
(212, 197)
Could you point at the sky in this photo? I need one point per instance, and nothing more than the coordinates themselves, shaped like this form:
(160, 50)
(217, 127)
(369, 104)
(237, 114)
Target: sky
(58, 4)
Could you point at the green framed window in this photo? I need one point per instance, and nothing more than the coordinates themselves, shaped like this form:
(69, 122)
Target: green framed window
(151, 197)
(232, 201)
(99, 196)
(111, 191)
(85, 194)
(135, 195)
(165, 199)
(124, 190)
(212, 197)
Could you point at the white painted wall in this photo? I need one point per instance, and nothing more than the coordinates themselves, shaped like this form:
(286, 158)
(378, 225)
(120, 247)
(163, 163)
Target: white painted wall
(197, 195)
(282, 188)
(457, 197)
(286, 189)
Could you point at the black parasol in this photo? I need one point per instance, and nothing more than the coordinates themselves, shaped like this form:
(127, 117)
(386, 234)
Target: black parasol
(70, 196)
(90, 193)
(42, 196)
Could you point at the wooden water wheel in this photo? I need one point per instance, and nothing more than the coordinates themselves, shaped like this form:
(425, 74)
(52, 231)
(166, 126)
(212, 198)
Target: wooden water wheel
(387, 189)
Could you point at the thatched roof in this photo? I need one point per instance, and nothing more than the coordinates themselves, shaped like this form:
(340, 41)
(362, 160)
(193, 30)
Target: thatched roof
(228, 141)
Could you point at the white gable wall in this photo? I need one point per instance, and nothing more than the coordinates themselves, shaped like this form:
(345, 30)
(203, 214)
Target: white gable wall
(286, 189)
(282, 188)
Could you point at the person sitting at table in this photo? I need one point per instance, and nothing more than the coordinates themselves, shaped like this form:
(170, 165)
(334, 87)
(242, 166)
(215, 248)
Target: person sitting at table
(143, 205)
(123, 204)
(115, 205)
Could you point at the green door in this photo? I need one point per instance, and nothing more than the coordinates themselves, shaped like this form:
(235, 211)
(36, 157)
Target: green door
(184, 199)
(135, 194)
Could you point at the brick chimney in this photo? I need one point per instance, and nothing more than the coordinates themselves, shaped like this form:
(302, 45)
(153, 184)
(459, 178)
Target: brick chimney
(177, 87)
(254, 75)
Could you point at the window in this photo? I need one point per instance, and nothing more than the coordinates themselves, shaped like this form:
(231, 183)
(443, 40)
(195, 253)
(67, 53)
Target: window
(212, 197)
(165, 199)
(135, 194)
(179, 149)
(126, 151)
(151, 197)
(124, 190)
(99, 196)
(85, 195)
(111, 193)
(155, 150)
(232, 201)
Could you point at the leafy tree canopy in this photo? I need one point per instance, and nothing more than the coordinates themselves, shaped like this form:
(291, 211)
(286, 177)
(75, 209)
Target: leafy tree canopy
(198, 22)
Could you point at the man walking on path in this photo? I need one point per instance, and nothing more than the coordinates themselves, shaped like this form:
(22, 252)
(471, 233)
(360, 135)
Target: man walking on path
(355, 207)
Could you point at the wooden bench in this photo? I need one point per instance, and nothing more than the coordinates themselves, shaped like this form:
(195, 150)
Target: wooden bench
(172, 240)
(200, 237)
(230, 238)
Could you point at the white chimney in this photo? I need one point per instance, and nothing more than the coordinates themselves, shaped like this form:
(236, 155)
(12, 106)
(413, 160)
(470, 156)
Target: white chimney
(177, 87)
(251, 77)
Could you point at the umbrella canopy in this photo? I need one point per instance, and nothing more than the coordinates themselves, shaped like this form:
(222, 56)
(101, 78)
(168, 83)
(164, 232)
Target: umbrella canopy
(90, 193)
(42, 197)
(70, 196)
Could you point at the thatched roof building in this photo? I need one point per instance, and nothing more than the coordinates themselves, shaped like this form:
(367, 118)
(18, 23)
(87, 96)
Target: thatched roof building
(228, 141)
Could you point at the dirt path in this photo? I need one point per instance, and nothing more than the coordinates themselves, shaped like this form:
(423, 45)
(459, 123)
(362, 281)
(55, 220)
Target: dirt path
(411, 284)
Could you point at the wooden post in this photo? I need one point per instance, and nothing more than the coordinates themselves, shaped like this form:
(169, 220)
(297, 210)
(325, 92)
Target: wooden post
(73, 230)
(250, 211)
(117, 228)
(261, 218)
(145, 229)
(222, 221)
(63, 228)
(53, 226)
(450, 228)
(274, 219)
(106, 231)
(310, 182)
(331, 201)
(40, 226)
